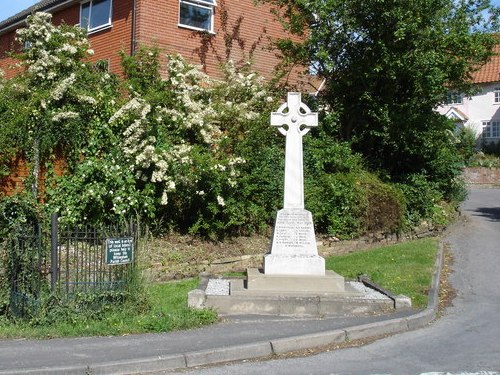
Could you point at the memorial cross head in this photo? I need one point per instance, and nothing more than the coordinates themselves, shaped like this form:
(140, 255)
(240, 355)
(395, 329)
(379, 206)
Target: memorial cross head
(298, 118)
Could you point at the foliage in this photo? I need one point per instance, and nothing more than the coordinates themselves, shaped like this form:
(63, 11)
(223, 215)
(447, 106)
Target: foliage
(387, 65)
(481, 159)
(47, 108)
(425, 201)
(385, 205)
(466, 144)
(196, 154)
(345, 200)
(404, 268)
(19, 216)
(175, 152)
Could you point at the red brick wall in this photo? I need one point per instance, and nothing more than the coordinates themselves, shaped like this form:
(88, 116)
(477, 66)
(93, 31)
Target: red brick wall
(7, 43)
(15, 181)
(109, 42)
(250, 28)
(482, 176)
(106, 43)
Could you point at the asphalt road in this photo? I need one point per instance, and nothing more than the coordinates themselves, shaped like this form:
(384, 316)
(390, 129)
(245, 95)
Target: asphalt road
(466, 340)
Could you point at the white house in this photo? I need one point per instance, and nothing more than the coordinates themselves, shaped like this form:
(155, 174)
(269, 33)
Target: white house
(481, 112)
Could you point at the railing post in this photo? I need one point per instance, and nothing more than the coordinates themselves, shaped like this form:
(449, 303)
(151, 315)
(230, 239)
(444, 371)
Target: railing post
(53, 252)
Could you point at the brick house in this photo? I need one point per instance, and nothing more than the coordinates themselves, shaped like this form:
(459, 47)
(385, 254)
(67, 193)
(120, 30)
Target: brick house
(205, 32)
(480, 112)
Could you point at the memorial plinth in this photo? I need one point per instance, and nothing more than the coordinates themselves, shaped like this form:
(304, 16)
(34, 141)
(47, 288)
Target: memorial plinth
(293, 249)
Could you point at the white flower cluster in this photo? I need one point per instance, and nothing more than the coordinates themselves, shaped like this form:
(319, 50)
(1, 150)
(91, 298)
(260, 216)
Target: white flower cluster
(61, 116)
(63, 87)
(160, 144)
(148, 163)
(189, 84)
(45, 57)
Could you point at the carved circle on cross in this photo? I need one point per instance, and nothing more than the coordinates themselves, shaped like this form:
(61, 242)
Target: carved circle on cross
(302, 111)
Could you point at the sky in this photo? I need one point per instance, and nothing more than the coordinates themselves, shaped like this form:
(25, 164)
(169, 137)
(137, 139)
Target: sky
(10, 7)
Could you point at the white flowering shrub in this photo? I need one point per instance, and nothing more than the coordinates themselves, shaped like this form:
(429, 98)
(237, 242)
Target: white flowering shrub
(182, 138)
(179, 151)
(187, 152)
(49, 108)
(193, 153)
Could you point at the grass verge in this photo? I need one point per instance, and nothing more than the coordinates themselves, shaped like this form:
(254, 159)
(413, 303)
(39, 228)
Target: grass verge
(405, 268)
(166, 310)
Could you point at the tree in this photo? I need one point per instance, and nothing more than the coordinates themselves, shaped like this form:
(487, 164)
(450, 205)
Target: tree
(388, 64)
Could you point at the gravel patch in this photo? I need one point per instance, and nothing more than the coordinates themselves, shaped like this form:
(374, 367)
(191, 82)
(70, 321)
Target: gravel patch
(220, 287)
(217, 287)
(368, 293)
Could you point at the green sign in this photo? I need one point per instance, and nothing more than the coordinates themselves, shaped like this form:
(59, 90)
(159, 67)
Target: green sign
(119, 250)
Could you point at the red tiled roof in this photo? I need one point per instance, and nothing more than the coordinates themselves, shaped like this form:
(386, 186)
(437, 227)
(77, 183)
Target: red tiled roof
(489, 72)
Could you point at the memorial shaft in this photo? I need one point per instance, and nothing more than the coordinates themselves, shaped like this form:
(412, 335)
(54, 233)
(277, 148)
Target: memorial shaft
(298, 116)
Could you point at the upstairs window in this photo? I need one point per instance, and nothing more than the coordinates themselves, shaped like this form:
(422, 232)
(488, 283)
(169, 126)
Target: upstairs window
(454, 98)
(95, 15)
(497, 95)
(197, 14)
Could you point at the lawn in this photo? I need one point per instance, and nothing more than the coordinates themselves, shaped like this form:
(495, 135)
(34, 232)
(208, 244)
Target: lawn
(404, 268)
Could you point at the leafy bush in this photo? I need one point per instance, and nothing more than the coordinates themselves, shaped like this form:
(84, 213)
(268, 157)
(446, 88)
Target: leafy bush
(481, 159)
(385, 205)
(19, 216)
(466, 144)
(337, 204)
(422, 198)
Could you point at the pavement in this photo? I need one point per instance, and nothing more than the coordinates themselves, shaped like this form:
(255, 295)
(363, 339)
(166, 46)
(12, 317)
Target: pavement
(235, 338)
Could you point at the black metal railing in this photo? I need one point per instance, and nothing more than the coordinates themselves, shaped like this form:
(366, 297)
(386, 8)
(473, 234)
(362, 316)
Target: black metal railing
(68, 260)
(78, 258)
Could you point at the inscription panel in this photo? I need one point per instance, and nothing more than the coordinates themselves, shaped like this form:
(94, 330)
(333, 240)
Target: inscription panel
(294, 233)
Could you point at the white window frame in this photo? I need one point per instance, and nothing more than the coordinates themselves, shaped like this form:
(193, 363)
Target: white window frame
(491, 129)
(454, 98)
(496, 95)
(100, 27)
(210, 5)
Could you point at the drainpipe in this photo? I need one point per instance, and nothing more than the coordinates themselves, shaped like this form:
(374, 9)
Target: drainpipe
(134, 12)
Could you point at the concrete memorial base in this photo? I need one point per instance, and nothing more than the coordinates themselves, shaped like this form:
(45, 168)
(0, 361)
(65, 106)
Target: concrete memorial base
(330, 282)
(290, 295)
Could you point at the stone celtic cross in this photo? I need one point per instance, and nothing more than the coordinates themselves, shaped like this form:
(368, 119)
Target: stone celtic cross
(299, 119)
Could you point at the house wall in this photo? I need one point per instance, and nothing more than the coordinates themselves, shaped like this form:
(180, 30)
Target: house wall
(15, 182)
(7, 43)
(480, 107)
(106, 43)
(242, 32)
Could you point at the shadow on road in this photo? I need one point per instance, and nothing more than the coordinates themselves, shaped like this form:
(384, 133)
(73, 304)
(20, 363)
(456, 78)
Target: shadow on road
(492, 213)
